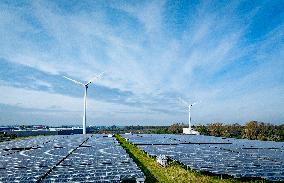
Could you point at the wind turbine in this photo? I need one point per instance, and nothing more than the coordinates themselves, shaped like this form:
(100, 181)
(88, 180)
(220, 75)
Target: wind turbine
(85, 96)
(189, 109)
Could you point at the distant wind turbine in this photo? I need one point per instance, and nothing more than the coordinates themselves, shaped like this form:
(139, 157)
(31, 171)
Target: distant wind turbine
(189, 110)
(85, 96)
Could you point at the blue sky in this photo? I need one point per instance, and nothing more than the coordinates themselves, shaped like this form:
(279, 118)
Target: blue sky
(227, 54)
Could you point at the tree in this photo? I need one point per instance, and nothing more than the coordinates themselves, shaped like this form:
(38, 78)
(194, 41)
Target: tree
(202, 129)
(175, 128)
(251, 130)
(216, 129)
(232, 131)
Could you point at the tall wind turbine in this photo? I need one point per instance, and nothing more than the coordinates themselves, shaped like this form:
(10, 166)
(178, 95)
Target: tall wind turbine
(189, 109)
(85, 96)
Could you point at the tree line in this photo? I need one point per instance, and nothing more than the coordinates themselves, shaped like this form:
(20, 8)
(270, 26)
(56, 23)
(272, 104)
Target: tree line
(252, 130)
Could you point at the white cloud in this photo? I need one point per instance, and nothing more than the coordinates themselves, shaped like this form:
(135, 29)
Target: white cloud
(150, 14)
(145, 61)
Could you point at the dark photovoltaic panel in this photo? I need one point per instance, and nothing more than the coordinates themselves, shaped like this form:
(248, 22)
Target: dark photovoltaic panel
(75, 158)
(99, 159)
(226, 156)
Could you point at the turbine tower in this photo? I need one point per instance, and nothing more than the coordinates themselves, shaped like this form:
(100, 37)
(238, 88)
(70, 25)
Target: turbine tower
(85, 96)
(189, 115)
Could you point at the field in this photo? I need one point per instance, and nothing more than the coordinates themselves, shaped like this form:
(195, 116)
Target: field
(174, 172)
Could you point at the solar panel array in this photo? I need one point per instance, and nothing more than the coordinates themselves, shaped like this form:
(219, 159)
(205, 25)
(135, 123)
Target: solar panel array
(224, 156)
(75, 158)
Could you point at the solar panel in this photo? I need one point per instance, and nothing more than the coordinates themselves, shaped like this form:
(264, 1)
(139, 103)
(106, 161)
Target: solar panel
(76, 158)
(226, 156)
(99, 159)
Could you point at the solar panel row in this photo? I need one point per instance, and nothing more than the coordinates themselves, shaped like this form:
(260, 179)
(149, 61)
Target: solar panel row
(75, 158)
(100, 159)
(235, 157)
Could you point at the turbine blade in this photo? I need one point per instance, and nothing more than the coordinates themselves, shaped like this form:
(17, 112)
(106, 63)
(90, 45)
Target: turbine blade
(77, 82)
(182, 101)
(95, 78)
(196, 103)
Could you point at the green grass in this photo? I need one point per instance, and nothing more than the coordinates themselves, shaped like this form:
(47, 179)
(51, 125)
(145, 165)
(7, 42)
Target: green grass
(174, 172)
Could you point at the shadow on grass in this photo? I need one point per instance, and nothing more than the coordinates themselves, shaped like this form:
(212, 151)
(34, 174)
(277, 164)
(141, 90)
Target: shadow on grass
(150, 178)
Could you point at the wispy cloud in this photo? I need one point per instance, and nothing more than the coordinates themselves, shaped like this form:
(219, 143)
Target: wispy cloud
(226, 54)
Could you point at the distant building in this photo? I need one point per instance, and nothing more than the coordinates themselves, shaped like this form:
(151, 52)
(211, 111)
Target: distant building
(7, 129)
(190, 131)
(50, 131)
(39, 127)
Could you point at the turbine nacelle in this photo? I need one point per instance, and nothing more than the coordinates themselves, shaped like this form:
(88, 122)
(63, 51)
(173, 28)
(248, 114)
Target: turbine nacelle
(187, 103)
(194, 103)
(89, 82)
